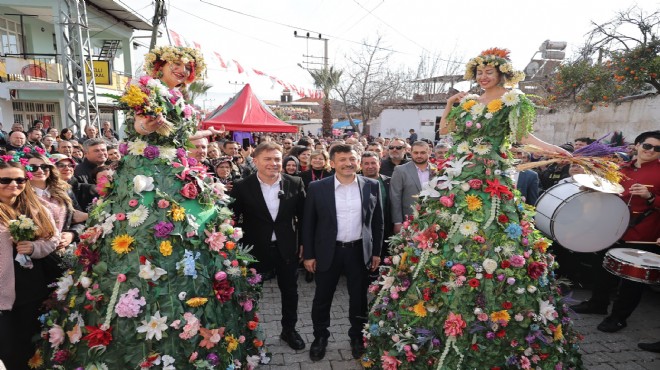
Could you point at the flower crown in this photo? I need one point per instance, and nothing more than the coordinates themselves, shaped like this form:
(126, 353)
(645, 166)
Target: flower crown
(157, 56)
(20, 157)
(498, 58)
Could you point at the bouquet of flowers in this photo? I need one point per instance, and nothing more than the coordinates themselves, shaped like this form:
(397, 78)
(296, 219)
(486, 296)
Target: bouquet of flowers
(23, 229)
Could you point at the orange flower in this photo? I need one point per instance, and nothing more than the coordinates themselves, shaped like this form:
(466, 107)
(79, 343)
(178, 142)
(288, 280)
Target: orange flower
(36, 361)
(541, 245)
(252, 325)
(230, 245)
(500, 317)
(502, 53)
(468, 104)
(211, 337)
(257, 342)
(495, 105)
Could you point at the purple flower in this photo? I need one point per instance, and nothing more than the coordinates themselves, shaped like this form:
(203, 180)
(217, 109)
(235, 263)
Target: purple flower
(163, 229)
(181, 153)
(490, 335)
(123, 148)
(213, 359)
(151, 152)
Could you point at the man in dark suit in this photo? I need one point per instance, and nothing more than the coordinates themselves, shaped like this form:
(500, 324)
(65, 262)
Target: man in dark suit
(342, 232)
(269, 206)
(527, 181)
(371, 169)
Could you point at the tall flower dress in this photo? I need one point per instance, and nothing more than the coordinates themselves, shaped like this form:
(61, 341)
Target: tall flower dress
(470, 284)
(162, 281)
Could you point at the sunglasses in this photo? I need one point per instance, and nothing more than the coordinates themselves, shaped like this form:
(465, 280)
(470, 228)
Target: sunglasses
(395, 147)
(9, 180)
(647, 146)
(43, 167)
(65, 165)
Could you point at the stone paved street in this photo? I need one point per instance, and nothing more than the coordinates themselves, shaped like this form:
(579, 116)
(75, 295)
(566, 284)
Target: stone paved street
(601, 351)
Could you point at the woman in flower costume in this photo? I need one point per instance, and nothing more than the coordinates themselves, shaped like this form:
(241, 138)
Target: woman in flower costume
(161, 280)
(470, 284)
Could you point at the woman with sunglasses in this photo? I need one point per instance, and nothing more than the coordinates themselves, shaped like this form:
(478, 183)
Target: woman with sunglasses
(22, 289)
(54, 192)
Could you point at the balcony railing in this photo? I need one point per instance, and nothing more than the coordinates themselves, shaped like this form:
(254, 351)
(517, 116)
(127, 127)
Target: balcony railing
(44, 68)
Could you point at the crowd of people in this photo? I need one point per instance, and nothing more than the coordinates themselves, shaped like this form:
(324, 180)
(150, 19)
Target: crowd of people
(325, 206)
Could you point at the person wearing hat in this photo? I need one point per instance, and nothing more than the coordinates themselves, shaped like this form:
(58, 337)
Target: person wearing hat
(641, 184)
(222, 170)
(81, 194)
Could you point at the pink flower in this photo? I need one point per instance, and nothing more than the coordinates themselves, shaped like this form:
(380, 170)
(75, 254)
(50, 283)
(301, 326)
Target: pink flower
(475, 184)
(27, 150)
(447, 201)
(121, 278)
(175, 324)
(120, 216)
(189, 190)
(454, 325)
(191, 328)
(468, 124)
(220, 276)
(247, 305)
(458, 269)
(144, 80)
(163, 203)
(193, 357)
(55, 336)
(478, 125)
(479, 239)
(389, 362)
(517, 260)
(133, 202)
(482, 316)
(215, 240)
(129, 304)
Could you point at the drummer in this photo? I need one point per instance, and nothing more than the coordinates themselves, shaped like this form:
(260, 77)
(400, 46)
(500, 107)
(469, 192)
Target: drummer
(641, 183)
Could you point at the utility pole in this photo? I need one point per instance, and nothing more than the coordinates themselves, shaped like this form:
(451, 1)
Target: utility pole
(325, 49)
(159, 15)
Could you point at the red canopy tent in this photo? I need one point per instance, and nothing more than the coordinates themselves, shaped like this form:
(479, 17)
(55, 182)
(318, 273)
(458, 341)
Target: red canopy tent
(245, 112)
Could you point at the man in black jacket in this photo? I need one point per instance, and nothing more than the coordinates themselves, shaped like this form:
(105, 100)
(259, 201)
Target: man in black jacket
(269, 206)
(96, 154)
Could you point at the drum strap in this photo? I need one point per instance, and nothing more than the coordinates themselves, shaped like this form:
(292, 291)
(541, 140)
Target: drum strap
(640, 217)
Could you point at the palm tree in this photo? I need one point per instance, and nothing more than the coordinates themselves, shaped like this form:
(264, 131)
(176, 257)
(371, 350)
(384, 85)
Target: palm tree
(197, 89)
(326, 80)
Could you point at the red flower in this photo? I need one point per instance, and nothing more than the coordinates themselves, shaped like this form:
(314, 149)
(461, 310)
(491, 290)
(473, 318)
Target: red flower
(475, 347)
(495, 189)
(535, 269)
(507, 305)
(143, 260)
(500, 334)
(98, 336)
(427, 294)
(475, 184)
(442, 234)
(543, 356)
(444, 289)
(474, 283)
(189, 191)
(252, 325)
(488, 276)
(505, 264)
(223, 290)
(503, 219)
(504, 155)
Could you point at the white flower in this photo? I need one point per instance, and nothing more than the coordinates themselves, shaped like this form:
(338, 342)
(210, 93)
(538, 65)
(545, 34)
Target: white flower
(458, 248)
(547, 311)
(447, 183)
(489, 265)
(234, 271)
(63, 285)
(143, 183)
(531, 288)
(511, 98)
(465, 186)
(428, 189)
(477, 109)
(387, 282)
(138, 216)
(445, 214)
(155, 326)
(137, 147)
(463, 147)
(167, 152)
(150, 272)
(108, 225)
(168, 362)
(468, 228)
(469, 97)
(508, 250)
(454, 168)
(478, 275)
(396, 260)
(482, 149)
(182, 295)
(520, 290)
(85, 282)
(488, 115)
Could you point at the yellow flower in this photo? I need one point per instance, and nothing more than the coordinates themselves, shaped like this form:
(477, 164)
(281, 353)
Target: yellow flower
(165, 248)
(473, 202)
(177, 213)
(122, 243)
(500, 317)
(243, 271)
(558, 334)
(468, 104)
(541, 245)
(419, 309)
(366, 363)
(133, 97)
(232, 343)
(495, 105)
(36, 361)
(197, 301)
(72, 302)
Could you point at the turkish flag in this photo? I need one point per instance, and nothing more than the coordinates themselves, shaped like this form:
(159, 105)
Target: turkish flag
(238, 66)
(176, 38)
(222, 62)
(258, 72)
(197, 45)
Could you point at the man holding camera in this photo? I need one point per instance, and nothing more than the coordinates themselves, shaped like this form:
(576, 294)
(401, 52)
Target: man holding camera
(269, 206)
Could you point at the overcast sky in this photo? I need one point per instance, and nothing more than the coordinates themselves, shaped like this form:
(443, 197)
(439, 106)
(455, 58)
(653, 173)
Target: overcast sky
(259, 33)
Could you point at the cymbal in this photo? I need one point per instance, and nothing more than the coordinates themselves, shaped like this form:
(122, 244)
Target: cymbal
(597, 183)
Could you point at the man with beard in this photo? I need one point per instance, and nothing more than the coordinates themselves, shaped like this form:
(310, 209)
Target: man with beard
(407, 181)
(396, 156)
(371, 169)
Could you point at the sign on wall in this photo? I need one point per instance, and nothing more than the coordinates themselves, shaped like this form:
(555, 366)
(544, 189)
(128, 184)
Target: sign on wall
(102, 72)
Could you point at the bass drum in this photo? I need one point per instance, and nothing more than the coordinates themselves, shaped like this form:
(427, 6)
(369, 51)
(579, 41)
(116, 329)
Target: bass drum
(579, 219)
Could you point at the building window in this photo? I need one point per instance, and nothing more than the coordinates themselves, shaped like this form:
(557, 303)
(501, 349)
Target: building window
(27, 112)
(10, 36)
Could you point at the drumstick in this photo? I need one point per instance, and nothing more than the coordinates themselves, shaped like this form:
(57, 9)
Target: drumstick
(640, 242)
(648, 186)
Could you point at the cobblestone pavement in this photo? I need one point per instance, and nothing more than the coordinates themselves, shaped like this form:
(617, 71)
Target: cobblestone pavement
(601, 351)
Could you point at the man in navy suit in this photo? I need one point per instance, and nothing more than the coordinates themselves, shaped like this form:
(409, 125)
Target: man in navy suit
(269, 206)
(342, 232)
(527, 181)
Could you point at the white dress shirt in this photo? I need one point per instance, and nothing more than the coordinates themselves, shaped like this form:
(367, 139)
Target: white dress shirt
(348, 203)
(271, 197)
(423, 175)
